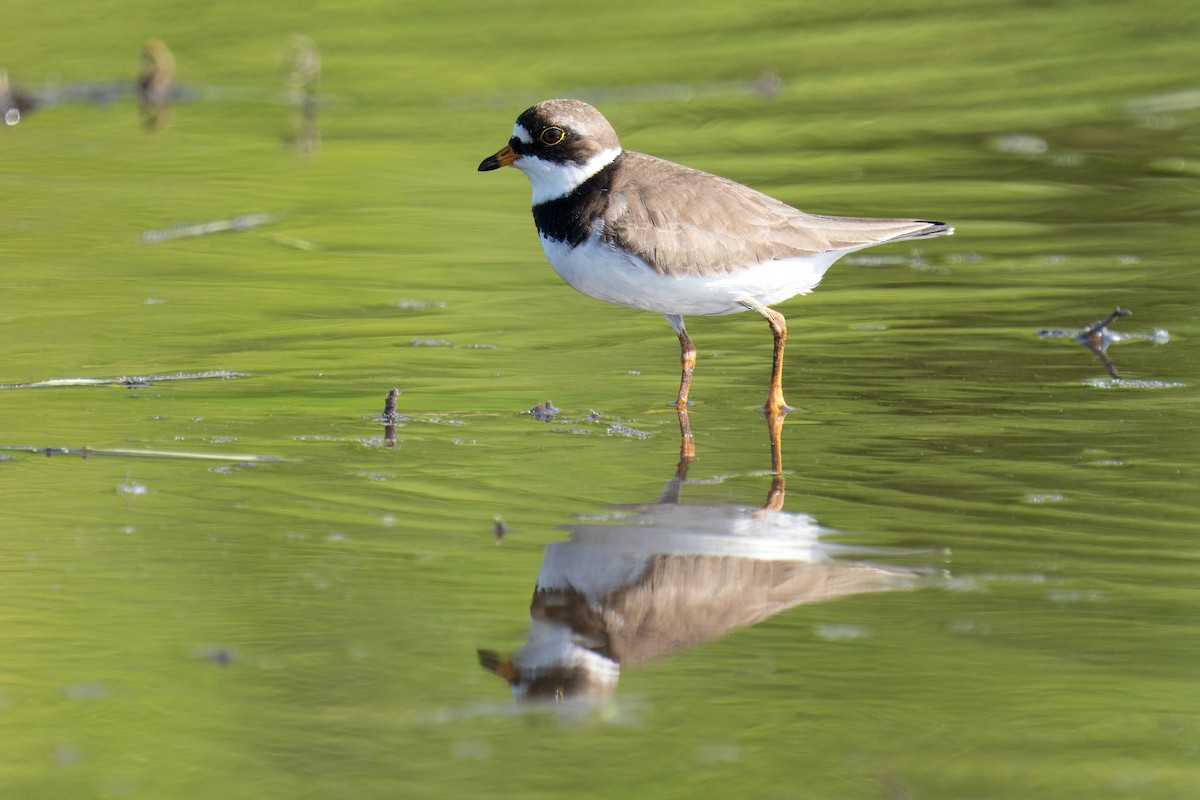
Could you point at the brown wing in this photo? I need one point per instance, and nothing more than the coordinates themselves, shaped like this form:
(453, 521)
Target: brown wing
(680, 219)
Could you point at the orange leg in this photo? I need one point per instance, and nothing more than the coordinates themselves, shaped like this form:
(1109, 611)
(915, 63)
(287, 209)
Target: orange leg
(687, 360)
(775, 403)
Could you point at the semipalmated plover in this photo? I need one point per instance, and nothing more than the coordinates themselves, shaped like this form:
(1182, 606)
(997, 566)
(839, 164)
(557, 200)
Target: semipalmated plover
(642, 232)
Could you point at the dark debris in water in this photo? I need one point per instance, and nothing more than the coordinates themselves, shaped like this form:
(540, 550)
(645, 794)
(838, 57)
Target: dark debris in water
(1098, 335)
(221, 656)
(389, 405)
(390, 416)
(547, 412)
(88, 452)
(130, 381)
(543, 412)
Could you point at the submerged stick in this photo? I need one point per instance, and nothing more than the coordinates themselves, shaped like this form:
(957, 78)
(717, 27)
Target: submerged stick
(125, 380)
(87, 452)
(390, 416)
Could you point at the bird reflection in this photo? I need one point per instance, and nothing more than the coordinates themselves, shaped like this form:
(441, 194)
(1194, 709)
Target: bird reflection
(649, 580)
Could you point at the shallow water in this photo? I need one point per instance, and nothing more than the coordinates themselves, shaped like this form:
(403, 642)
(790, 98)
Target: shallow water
(183, 620)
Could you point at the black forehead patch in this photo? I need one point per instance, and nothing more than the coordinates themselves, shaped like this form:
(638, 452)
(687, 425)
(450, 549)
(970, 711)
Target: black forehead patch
(533, 120)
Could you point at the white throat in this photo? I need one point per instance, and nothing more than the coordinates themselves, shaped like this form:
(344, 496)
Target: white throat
(554, 179)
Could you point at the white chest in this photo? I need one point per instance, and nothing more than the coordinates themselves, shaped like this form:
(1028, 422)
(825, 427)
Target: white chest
(607, 273)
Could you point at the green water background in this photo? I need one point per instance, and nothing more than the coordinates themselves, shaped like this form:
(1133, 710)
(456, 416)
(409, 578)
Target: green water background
(307, 627)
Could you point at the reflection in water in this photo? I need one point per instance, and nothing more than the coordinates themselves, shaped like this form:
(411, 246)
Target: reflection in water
(650, 580)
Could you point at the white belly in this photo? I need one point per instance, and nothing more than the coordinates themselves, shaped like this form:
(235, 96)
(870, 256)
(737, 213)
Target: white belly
(609, 274)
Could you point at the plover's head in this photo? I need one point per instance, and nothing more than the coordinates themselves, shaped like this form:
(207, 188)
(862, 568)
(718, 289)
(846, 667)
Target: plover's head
(558, 144)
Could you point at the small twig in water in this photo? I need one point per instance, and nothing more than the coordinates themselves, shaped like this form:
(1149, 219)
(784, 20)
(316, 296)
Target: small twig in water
(87, 452)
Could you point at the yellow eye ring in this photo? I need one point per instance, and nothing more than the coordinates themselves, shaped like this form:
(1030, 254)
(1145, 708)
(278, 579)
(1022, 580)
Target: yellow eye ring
(552, 136)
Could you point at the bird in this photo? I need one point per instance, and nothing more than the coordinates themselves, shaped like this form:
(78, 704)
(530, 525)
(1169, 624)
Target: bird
(650, 234)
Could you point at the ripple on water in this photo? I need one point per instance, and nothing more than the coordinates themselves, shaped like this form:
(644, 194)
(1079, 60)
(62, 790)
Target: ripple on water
(1131, 383)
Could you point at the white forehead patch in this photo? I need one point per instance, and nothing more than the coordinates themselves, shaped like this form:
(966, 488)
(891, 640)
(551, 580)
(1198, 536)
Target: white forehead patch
(522, 134)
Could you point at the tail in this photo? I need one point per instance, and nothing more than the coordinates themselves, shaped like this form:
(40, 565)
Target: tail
(852, 233)
(929, 230)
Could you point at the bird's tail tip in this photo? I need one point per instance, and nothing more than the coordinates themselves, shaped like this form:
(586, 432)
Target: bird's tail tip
(932, 229)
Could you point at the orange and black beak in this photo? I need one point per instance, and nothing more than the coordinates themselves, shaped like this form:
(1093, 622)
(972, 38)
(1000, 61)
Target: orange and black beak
(493, 662)
(505, 157)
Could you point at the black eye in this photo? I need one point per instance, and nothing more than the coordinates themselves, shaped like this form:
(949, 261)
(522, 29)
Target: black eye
(552, 136)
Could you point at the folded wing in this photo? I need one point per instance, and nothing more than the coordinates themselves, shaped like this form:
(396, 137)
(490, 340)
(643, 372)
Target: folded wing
(680, 219)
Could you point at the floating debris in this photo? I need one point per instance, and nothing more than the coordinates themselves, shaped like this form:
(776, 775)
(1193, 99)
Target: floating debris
(876, 261)
(155, 83)
(131, 381)
(1160, 103)
(1097, 336)
(236, 466)
(389, 404)
(621, 429)
(542, 412)
(411, 305)
(390, 416)
(221, 656)
(842, 632)
(499, 529)
(301, 77)
(293, 242)
(130, 487)
(87, 452)
(87, 690)
(242, 222)
(1019, 144)
(1033, 147)
(1132, 383)
(13, 101)
(154, 87)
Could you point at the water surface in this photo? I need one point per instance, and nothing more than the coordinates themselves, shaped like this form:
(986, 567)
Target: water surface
(306, 624)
